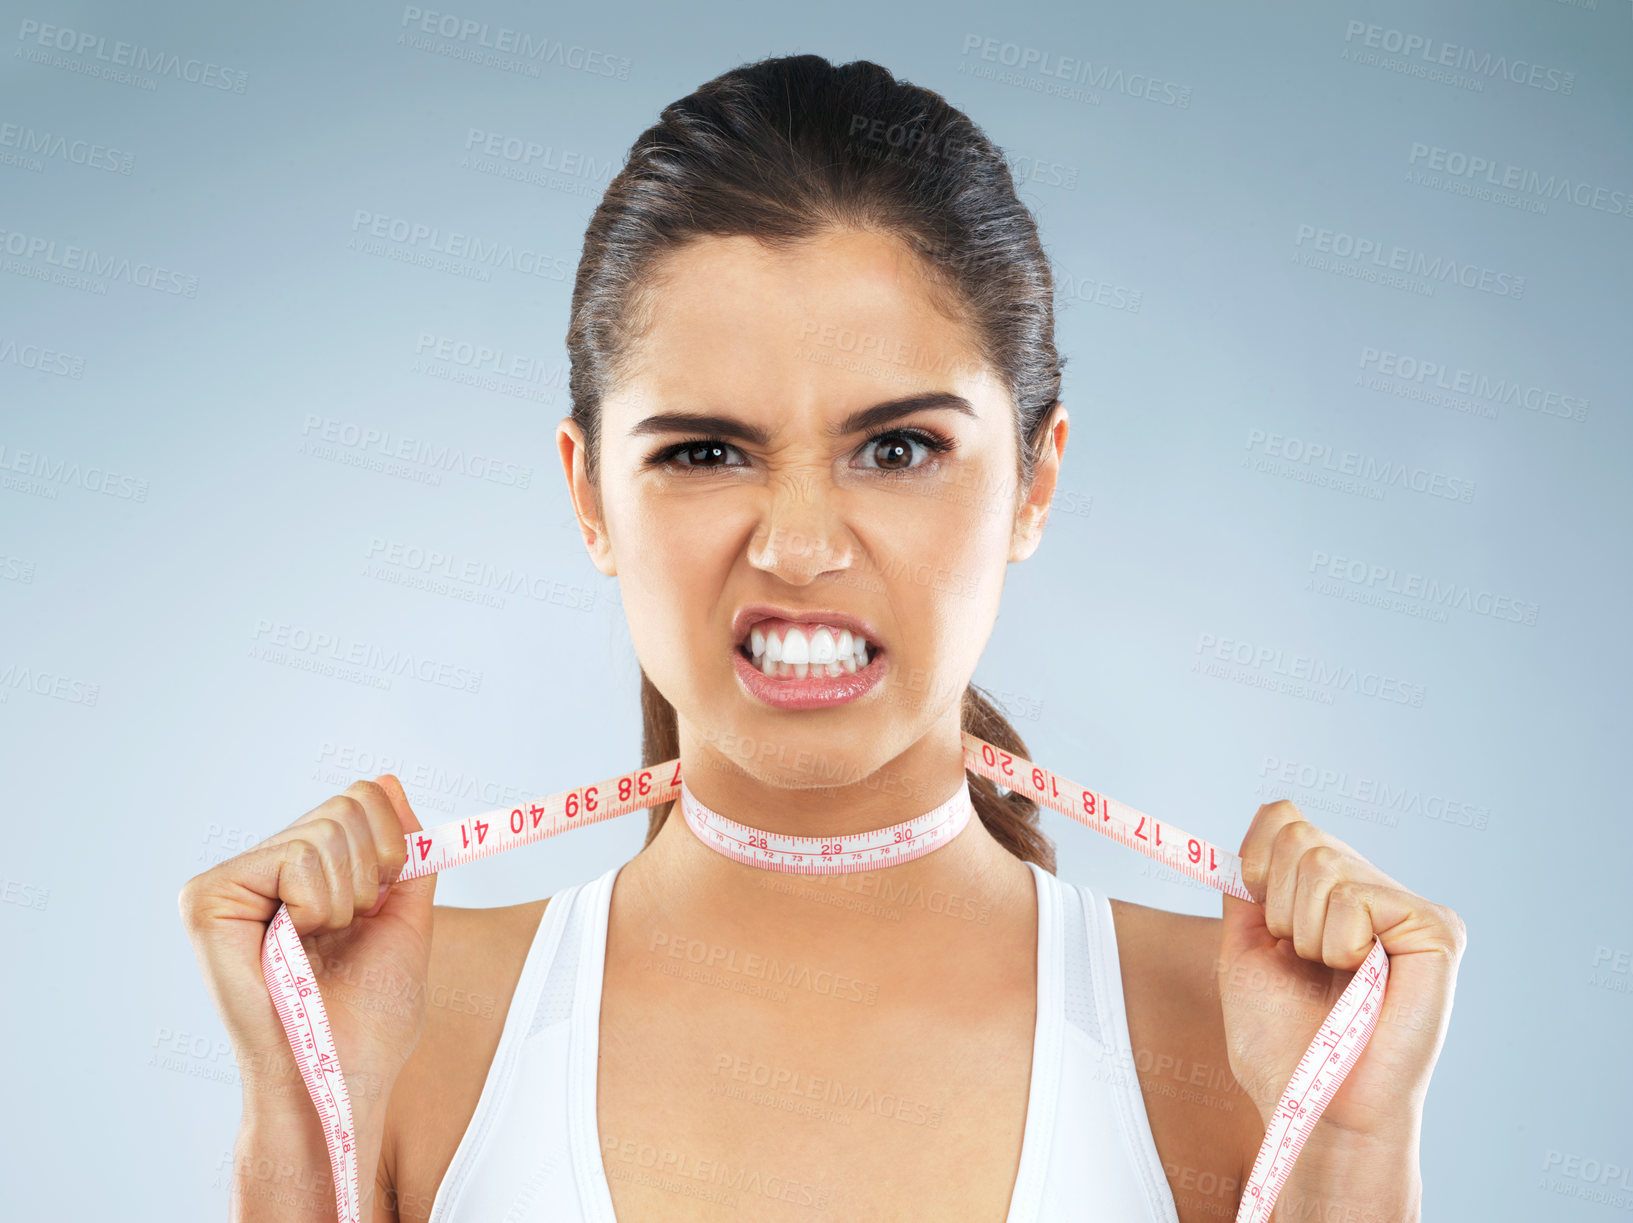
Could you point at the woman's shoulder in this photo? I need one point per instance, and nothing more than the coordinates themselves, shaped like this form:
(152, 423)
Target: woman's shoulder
(1201, 1119)
(1169, 950)
(477, 957)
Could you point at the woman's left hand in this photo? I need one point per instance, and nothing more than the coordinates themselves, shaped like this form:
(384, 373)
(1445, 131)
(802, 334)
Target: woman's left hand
(1284, 960)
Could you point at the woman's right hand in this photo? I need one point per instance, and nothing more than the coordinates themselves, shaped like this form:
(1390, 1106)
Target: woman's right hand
(367, 937)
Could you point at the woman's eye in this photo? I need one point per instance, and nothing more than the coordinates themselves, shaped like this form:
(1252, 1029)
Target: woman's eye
(894, 451)
(701, 454)
(889, 452)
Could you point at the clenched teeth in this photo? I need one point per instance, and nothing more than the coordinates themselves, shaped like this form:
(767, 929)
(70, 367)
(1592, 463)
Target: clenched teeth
(826, 651)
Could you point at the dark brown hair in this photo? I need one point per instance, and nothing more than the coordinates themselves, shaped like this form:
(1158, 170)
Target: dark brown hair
(783, 150)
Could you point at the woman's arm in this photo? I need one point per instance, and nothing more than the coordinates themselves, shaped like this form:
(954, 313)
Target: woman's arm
(1284, 958)
(281, 1170)
(1204, 1124)
(1339, 1176)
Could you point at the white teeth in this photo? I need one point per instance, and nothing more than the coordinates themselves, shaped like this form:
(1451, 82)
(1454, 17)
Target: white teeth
(795, 648)
(822, 648)
(825, 652)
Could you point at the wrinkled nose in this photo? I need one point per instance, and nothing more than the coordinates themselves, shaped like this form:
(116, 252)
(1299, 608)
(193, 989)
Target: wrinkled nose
(802, 533)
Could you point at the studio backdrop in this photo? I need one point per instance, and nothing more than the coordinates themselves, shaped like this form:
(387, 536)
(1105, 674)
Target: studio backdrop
(1343, 292)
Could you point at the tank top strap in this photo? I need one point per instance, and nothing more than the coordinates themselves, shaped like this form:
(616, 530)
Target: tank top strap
(1095, 1004)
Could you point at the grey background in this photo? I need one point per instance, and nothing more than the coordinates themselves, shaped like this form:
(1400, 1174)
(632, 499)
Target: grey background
(147, 731)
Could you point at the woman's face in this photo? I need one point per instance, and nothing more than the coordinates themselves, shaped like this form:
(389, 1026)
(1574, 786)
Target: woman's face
(905, 521)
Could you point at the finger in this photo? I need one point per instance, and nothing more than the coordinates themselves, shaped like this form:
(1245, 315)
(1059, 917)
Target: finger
(385, 830)
(1408, 925)
(377, 844)
(334, 848)
(1320, 870)
(322, 877)
(1293, 840)
(1346, 937)
(407, 820)
(1268, 821)
(1242, 929)
(415, 894)
(365, 877)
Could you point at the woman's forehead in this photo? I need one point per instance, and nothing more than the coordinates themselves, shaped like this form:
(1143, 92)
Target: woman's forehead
(841, 319)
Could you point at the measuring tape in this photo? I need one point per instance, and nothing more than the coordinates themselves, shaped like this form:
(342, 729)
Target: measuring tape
(1337, 1045)
(828, 855)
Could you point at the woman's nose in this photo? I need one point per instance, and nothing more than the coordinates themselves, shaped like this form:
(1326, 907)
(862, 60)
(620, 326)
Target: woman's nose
(802, 534)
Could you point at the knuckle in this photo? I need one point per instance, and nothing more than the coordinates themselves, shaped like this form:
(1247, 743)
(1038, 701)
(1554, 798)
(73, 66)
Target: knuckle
(187, 902)
(1292, 835)
(1346, 892)
(1324, 861)
(363, 788)
(1459, 930)
(395, 856)
(330, 834)
(348, 806)
(305, 859)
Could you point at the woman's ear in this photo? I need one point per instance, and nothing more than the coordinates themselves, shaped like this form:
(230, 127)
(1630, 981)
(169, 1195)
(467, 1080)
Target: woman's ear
(586, 498)
(1033, 513)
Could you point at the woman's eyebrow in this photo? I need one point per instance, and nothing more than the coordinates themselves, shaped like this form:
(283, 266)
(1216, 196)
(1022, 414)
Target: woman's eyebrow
(860, 421)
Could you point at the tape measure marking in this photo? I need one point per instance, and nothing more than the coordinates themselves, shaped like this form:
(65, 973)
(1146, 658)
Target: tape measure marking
(800, 855)
(1336, 1047)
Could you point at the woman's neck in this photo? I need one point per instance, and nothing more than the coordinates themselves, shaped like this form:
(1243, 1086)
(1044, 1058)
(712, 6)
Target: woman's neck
(971, 871)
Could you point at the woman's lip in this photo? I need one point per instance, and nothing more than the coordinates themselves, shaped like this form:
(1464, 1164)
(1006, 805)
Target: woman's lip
(812, 692)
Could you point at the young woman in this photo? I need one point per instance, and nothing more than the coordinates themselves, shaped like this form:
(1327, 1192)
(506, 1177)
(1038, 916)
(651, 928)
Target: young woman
(815, 416)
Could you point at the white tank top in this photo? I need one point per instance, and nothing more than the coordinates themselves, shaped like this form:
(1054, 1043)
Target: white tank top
(531, 1150)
